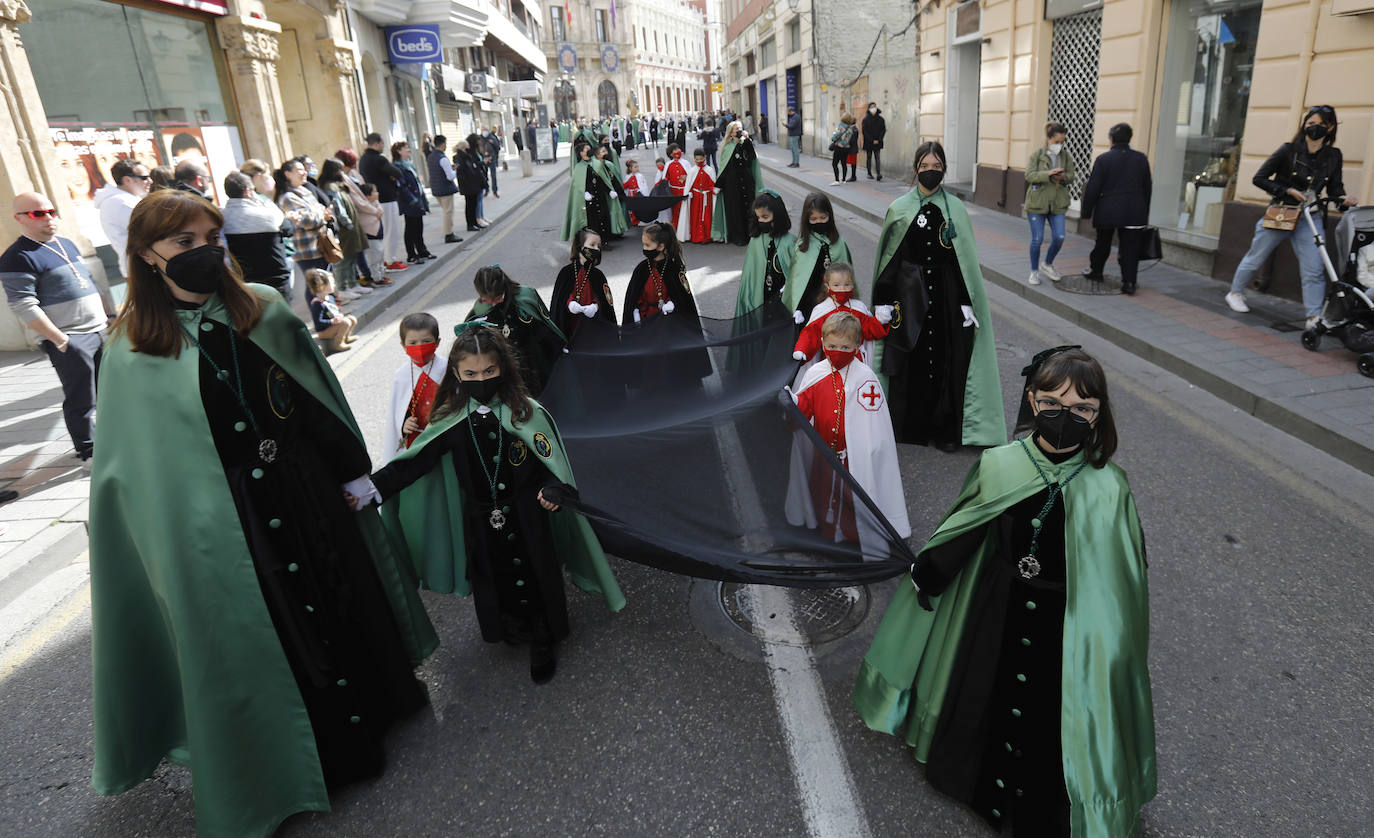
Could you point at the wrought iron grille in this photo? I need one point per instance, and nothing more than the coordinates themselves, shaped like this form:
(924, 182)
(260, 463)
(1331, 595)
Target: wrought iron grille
(1073, 87)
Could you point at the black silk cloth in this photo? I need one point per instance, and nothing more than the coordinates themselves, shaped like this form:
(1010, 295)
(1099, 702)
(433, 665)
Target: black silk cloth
(694, 475)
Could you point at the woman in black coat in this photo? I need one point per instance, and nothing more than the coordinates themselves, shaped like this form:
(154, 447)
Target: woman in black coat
(472, 178)
(873, 129)
(1117, 199)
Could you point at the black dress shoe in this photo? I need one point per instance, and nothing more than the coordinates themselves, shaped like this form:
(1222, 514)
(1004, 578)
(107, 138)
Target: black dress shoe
(542, 663)
(1089, 275)
(948, 447)
(451, 239)
(1128, 288)
(474, 229)
(7, 495)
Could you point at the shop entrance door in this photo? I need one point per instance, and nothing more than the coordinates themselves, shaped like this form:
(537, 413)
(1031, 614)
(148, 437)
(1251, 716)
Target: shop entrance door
(961, 112)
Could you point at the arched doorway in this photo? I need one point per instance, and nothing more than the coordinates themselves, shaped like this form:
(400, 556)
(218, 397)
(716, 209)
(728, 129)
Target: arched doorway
(606, 99)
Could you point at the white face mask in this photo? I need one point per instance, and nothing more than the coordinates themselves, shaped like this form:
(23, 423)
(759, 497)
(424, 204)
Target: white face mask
(872, 110)
(1055, 148)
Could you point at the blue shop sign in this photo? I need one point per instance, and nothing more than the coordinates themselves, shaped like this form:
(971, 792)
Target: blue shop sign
(413, 44)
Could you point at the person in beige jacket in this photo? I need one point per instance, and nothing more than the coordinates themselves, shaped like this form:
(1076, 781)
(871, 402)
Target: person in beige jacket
(1049, 177)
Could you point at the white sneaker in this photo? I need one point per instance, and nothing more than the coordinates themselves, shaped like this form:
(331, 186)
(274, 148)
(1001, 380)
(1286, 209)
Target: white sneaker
(834, 183)
(364, 290)
(1050, 272)
(1312, 322)
(1034, 278)
(1236, 301)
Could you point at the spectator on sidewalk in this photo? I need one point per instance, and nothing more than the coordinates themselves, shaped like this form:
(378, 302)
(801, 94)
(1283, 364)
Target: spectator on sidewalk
(794, 137)
(348, 227)
(414, 205)
(1117, 199)
(872, 130)
(1049, 176)
(532, 140)
(261, 175)
(307, 215)
(255, 233)
(653, 131)
(192, 177)
(369, 260)
(710, 141)
(162, 178)
(472, 179)
(492, 152)
(384, 175)
(841, 146)
(1308, 163)
(443, 184)
(116, 203)
(51, 291)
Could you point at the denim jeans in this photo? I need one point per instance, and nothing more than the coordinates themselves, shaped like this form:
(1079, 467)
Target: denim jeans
(795, 144)
(1310, 266)
(1037, 231)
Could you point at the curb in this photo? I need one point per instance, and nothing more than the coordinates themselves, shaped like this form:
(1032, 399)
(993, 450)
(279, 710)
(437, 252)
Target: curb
(1266, 409)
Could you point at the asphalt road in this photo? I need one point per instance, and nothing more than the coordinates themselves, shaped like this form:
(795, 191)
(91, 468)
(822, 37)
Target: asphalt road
(664, 719)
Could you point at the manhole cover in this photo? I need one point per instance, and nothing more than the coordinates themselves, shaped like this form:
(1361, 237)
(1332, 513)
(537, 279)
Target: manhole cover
(820, 614)
(1079, 284)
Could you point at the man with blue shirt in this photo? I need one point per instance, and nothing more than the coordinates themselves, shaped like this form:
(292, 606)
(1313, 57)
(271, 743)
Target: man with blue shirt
(52, 292)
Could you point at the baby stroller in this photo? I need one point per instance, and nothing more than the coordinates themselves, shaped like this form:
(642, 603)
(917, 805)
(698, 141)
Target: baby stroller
(1349, 311)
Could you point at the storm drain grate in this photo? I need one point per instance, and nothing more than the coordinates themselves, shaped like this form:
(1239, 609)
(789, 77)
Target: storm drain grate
(820, 614)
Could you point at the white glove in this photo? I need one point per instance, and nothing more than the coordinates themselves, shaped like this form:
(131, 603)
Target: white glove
(969, 319)
(636, 313)
(586, 196)
(589, 310)
(792, 394)
(883, 314)
(574, 307)
(667, 307)
(363, 492)
(798, 318)
(614, 197)
(715, 191)
(799, 355)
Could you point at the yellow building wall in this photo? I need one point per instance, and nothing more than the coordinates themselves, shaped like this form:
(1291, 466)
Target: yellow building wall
(1307, 56)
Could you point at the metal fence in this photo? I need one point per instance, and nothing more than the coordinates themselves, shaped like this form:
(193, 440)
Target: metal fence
(1073, 86)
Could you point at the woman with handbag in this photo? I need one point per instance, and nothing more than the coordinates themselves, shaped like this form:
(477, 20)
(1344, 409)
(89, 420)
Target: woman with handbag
(1307, 163)
(309, 217)
(841, 144)
(1118, 191)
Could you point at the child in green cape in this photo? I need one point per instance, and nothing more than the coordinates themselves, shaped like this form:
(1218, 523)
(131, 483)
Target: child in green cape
(476, 502)
(769, 255)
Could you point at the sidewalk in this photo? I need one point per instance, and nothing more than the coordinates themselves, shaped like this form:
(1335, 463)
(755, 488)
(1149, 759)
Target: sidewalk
(36, 456)
(1177, 320)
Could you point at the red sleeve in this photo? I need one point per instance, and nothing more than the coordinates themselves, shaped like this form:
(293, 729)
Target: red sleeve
(809, 343)
(873, 330)
(806, 403)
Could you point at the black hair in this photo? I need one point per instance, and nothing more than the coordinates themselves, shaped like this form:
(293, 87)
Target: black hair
(420, 321)
(927, 148)
(490, 282)
(283, 186)
(664, 234)
(481, 340)
(816, 202)
(672, 147)
(1326, 112)
(122, 169)
(1053, 127)
(331, 171)
(630, 162)
(188, 170)
(438, 140)
(367, 189)
(781, 221)
(1120, 133)
(838, 268)
(700, 152)
(579, 239)
(374, 137)
(1089, 382)
(237, 185)
(185, 142)
(581, 145)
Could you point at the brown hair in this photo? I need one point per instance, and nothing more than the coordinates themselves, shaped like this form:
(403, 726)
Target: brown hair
(1089, 381)
(579, 239)
(149, 317)
(481, 340)
(396, 150)
(843, 323)
(254, 167)
(838, 268)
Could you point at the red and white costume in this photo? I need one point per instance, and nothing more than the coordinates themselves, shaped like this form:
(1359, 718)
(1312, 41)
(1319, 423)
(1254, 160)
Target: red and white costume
(849, 410)
(810, 342)
(413, 389)
(635, 184)
(676, 175)
(694, 225)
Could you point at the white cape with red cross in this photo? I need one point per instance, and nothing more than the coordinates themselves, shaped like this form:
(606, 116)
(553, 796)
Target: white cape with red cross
(872, 457)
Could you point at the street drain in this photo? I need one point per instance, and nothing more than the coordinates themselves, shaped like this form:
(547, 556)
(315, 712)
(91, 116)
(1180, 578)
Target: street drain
(820, 615)
(1079, 284)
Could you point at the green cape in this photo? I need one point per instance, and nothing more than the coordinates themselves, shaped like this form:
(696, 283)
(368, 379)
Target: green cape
(563, 133)
(591, 137)
(575, 214)
(985, 421)
(528, 303)
(750, 294)
(185, 655)
(427, 516)
(802, 264)
(718, 231)
(1107, 711)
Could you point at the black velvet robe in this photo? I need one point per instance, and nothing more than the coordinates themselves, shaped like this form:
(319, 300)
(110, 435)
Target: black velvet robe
(737, 190)
(815, 284)
(926, 355)
(517, 580)
(317, 576)
(684, 363)
(599, 207)
(997, 745)
(563, 288)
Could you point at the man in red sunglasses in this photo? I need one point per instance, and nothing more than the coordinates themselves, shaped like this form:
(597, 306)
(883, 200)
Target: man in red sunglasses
(52, 292)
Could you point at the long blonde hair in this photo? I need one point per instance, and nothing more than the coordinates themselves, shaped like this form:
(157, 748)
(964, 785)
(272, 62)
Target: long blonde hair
(730, 130)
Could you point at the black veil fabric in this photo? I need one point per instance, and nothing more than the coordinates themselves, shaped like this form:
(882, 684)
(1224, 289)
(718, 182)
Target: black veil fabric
(718, 477)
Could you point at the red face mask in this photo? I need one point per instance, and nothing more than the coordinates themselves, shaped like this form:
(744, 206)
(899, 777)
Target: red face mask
(841, 297)
(677, 155)
(839, 359)
(422, 353)
(660, 168)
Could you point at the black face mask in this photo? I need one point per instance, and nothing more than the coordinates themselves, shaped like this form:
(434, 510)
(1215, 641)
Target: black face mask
(651, 254)
(930, 178)
(592, 255)
(1315, 132)
(764, 227)
(1061, 429)
(200, 270)
(483, 390)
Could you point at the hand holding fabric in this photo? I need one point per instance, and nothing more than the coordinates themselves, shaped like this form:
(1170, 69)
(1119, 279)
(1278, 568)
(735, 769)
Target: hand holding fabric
(969, 319)
(799, 355)
(798, 318)
(589, 310)
(574, 307)
(667, 307)
(359, 492)
(883, 314)
(586, 196)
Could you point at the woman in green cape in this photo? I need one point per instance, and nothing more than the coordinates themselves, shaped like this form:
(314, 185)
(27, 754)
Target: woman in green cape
(519, 314)
(738, 181)
(940, 360)
(1024, 688)
(243, 622)
(769, 256)
(590, 195)
(475, 500)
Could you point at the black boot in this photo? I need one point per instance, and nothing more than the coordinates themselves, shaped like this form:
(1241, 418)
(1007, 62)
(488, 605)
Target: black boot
(1089, 273)
(542, 662)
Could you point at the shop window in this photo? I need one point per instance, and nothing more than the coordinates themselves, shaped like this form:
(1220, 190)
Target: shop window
(794, 35)
(1208, 65)
(767, 53)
